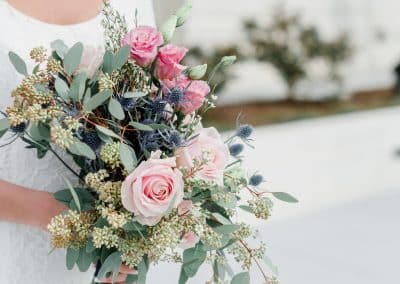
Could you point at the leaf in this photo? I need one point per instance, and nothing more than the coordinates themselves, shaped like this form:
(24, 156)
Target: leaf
(90, 246)
(269, 263)
(78, 87)
(131, 95)
(221, 219)
(85, 260)
(73, 193)
(183, 14)
(128, 157)
(193, 258)
(71, 256)
(108, 62)
(284, 197)
(61, 88)
(241, 278)
(73, 58)
(4, 126)
(39, 132)
(81, 149)
(246, 208)
(112, 264)
(131, 279)
(142, 271)
(59, 47)
(97, 100)
(121, 57)
(106, 131)
(18, 62)
(183, 278)
(64, 196)
(226, 229)
(115, 109)
(140, 126)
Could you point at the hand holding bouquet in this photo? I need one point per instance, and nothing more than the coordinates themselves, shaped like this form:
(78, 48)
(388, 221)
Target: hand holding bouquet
(153, 184)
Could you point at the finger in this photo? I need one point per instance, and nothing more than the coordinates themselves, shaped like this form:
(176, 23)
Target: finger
(118, 279)
(126, 270)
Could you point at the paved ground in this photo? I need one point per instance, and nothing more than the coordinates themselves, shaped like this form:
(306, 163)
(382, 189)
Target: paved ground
(344, 172)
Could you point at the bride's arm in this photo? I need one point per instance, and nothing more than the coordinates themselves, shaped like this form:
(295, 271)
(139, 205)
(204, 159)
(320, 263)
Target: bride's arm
(26, 206)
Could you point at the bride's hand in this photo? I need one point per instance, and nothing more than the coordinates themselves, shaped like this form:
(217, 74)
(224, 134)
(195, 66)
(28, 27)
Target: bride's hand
(123, 273)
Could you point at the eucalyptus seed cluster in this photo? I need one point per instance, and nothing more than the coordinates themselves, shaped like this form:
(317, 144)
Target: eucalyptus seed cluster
(109, 153)
(106, 83)
(261, 207)
(104, 237)
(38, 54)
(108, 191)
(114, 25)
(61, 137)
(71, 229)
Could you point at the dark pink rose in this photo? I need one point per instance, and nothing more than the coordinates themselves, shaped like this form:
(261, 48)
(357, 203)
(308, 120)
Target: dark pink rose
(169, 57)
(144, 41)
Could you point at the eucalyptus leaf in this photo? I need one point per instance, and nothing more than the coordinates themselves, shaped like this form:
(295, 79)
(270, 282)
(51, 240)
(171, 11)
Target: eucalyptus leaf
(193, 258)
(140, 126)
(226, 229)
(241, 278)
(71, 257)
(4, 126)
(82, 149)
(246, 208)
(85, 260)
(97, 100)
(108, 62)
(115, 109)
(73, 193)
(272, 267)
(18, 63)
(73, 58)
(284, 197)
(62, 88)
(221, 219)
(121, 57)
(131, 279)
(106, 131)
(142, 272)
(78, 87)
(59, 47)
(112, 264)
(128, 157)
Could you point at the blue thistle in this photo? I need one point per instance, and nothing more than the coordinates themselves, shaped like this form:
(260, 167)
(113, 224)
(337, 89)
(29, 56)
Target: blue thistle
(175, 96)
(244, 131)
(236, 149)
(158, 106)
(19, 128)
(127, 104)
(175, 139)
(91, 139)
(256, 180)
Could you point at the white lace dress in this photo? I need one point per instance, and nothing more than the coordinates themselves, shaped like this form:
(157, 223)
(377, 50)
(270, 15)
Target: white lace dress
(24, 251)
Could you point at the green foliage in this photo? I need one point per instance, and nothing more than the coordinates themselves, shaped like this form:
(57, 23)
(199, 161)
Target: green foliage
(283, 196)
(115, 109)
(84, 198)
(111, 264)
(97, 100)
(128, 157)
(168, 28)
(241, 278)
(73, 58)
(59, 47)
(18, 63)
(193, 258)
(82, 149)
(62, 88)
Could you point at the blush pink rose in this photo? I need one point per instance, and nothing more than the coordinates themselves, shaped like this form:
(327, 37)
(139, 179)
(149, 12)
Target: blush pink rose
(195, 92)
(168, 59)
(189, 240)
(143, 41)
(152, 189)
(208, 142)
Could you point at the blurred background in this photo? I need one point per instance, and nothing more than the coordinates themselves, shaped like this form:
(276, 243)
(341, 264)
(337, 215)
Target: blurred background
(321, 81)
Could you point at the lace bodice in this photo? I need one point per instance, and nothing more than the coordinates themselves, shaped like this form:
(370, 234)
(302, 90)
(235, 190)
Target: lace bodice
(24, 251)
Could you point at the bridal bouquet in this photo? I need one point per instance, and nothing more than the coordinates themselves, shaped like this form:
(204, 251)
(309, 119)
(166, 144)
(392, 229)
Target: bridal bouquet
(154, 185)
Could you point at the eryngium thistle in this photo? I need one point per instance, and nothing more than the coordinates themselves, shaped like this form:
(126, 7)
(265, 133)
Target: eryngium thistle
(175, 139)
(91, 139)
(236, 149)
(244, 131)
(175, 96)
(127, 104)
(19, 128)
(256, 180)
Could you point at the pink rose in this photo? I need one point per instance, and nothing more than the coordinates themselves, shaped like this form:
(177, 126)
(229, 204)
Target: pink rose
(195, 92)
(144, 41)
(92, 57)
(169, 57)
(208, 143)
(151, 188)
(185, 207)
(189, 240)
